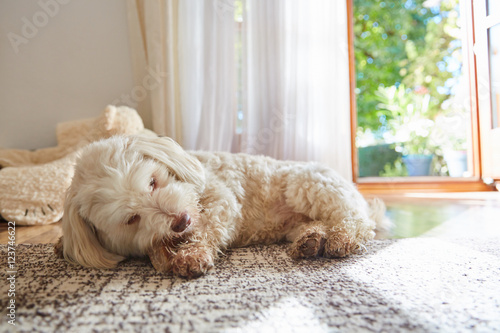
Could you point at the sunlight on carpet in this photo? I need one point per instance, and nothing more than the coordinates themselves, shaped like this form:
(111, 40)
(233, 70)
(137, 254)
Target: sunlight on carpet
(286, 315)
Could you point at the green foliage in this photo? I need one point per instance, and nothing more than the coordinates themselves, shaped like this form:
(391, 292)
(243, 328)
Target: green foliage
(396, 169)
(375, 158)
(408, 117)
(404, 42)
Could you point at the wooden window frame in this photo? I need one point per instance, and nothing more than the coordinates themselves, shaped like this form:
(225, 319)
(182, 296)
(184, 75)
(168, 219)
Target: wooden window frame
(421, 184)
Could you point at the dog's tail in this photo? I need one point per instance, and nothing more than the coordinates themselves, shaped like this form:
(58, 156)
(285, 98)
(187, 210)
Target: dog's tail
(377, 214)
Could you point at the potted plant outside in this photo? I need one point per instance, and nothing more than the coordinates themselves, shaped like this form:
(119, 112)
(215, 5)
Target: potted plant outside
(450, 134)
(409, 125)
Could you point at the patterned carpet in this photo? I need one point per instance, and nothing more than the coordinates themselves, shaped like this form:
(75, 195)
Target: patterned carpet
(421, 285)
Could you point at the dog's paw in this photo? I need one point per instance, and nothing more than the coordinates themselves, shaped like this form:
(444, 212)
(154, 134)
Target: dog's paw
(310, 245)
(161, 257)
(58, 248)
(192, 261)
(337, 246)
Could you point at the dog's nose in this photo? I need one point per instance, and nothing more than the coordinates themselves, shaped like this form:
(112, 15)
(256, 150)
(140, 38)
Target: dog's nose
(181, 223)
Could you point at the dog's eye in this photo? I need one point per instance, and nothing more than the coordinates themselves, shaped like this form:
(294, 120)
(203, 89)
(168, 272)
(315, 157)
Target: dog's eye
(152, 183)
(133, 219)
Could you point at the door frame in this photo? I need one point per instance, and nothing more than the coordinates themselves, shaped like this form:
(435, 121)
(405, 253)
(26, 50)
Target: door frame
(490, 137)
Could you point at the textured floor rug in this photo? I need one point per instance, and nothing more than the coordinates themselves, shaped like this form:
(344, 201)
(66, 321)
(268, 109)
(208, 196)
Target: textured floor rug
(422, 285)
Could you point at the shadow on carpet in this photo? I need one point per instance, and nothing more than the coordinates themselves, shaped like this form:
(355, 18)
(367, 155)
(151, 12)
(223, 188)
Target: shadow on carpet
(421, 284)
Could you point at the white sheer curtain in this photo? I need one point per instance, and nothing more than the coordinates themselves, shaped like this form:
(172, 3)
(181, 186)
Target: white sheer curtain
(297, 81)
(191, 44)
(295, 75)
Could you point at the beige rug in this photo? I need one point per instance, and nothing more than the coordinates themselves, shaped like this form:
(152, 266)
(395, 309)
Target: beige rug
(420, 285)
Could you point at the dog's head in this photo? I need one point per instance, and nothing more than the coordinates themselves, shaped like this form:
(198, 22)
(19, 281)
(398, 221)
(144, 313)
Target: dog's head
(126, 193)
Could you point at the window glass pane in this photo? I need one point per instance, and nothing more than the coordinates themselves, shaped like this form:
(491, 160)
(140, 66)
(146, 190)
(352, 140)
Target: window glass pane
(492, 7)
(494, 54)
(412, 94)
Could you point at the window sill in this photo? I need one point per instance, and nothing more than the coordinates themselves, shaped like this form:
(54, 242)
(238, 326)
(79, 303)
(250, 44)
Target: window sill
(379, 185)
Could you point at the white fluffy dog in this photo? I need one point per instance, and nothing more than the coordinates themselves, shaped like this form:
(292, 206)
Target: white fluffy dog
(137, 196)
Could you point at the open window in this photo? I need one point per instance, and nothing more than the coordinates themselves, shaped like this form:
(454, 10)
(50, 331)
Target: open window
(414, 95)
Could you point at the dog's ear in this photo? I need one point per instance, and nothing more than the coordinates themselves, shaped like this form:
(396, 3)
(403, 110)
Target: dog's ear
(80, 244)
(165, 150)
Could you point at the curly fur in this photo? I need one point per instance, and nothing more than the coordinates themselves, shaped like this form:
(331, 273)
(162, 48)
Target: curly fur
(129, 194)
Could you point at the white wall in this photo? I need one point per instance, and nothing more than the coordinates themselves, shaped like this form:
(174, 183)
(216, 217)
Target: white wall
(70, 67)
